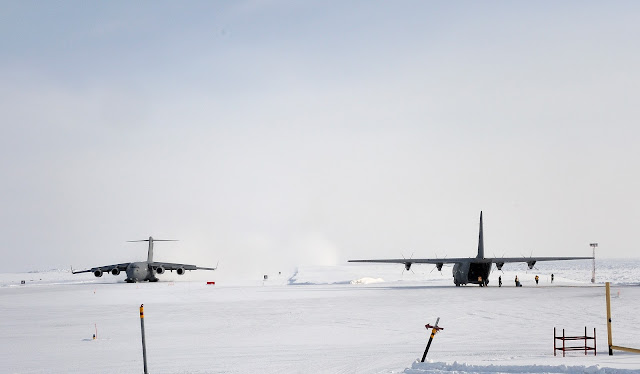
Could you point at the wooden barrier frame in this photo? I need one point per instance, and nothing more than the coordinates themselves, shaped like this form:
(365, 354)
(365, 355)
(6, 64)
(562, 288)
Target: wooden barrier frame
(584, 337)
(610, 338)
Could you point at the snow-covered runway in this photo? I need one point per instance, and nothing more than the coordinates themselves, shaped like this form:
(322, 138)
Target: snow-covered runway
(314, 322)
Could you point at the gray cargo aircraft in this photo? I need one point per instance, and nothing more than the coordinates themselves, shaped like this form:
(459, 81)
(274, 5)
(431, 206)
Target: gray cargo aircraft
(144, 270)
(473, 270)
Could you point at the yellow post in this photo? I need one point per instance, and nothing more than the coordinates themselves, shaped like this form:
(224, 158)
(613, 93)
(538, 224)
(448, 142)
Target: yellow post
(609, 338)
(611, 346)
(144, 345)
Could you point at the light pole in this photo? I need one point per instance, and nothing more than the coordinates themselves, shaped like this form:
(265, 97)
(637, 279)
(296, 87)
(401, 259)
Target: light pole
(593, 274)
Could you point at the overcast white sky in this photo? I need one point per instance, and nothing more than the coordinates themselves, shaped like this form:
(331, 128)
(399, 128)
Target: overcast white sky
(267, 134)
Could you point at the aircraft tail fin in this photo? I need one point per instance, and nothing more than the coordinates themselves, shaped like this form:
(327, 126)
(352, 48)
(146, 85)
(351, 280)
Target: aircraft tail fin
(151, 240)
(150, 251)
(480, 240)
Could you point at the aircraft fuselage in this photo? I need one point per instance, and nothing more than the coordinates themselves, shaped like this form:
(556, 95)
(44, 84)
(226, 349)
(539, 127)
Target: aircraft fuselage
(471, 272)
(139, 272)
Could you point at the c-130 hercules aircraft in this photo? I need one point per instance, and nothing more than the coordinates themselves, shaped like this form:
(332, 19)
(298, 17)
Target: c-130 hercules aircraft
(144, 270)
(473, 270)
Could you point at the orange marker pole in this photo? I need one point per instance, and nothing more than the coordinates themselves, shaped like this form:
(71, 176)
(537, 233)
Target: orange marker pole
(144, 345)
(434, 330)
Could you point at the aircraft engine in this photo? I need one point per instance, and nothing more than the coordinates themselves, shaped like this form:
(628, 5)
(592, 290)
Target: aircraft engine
(407, 266)
(159, 270)
(115, 271)
(98, 273)
(180, 271)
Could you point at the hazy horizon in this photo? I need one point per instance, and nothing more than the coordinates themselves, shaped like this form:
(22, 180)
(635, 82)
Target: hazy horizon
(267, 134)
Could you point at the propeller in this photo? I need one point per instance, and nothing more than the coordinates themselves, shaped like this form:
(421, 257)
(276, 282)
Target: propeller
(438, 266)
(407, 265)
(531, 263)
(496, 264)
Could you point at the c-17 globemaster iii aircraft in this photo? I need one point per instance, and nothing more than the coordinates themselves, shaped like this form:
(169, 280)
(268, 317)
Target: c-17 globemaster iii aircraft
(144, 270)
(473, 270)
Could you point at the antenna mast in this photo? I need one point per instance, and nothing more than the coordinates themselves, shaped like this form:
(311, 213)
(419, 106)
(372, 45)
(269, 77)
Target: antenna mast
(593, 273)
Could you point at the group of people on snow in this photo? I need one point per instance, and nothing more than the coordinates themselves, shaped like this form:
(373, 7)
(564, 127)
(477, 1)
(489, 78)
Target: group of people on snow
(518, 284)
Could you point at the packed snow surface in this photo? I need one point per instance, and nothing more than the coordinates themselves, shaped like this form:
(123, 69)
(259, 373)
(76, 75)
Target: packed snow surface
(355, 318)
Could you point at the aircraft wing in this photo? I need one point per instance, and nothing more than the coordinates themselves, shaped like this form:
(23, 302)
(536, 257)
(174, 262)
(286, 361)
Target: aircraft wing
(419, 260)
(105, 268)
(531, 261)
(496, 260)
(171, 266)
(536, 259)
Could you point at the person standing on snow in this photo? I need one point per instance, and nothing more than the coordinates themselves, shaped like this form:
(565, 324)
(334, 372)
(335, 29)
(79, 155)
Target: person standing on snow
(537, 279)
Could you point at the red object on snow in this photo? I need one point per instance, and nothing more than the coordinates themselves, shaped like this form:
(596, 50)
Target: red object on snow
(433, 327)
(211, 282)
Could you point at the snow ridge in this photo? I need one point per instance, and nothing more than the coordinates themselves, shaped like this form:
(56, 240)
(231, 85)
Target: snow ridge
(442, 367)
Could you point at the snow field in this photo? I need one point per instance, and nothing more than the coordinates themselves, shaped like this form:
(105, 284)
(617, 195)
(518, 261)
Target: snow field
(312, 321)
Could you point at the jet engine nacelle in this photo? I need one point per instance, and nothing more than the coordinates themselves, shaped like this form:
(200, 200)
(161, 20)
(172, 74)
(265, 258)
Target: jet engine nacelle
(407, 266)
(180, 271)
(159, 270)
(98, 273)
(115, 271)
